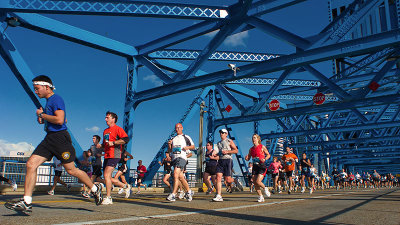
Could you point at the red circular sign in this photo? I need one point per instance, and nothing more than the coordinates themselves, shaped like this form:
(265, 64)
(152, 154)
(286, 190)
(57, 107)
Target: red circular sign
(319, 98)
(274, 105)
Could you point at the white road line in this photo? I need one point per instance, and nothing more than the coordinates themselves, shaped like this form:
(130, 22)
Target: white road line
(134, 218)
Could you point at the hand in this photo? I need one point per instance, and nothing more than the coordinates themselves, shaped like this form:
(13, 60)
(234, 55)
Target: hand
(111, 143)
(39, 110)
(224, 152)
(247, 158)
(98, 145)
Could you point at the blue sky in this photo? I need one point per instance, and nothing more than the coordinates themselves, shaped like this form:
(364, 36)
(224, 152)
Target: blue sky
(93, 82)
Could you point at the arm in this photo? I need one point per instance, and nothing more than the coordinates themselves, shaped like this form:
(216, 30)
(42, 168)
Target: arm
(267, 155)
(214, 156)
(129, 155)
(57, 119)
(248, 156)
(170, 146)
(234, 149)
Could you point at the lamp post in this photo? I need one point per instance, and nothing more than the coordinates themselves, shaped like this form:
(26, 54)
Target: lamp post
(199, 169)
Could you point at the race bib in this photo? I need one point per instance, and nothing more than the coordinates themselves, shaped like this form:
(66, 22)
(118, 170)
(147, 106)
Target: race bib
(177, 150)
(256, 160)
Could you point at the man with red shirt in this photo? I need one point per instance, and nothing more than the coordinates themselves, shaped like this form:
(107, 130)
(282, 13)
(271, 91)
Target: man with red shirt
(114, 137)
(141, 170)
(290, 160)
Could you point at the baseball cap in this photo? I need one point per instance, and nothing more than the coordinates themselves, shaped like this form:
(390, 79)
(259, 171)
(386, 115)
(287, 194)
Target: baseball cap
(223, 131)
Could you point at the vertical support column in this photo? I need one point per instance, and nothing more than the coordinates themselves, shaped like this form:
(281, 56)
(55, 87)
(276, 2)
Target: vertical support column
(211, 117)
(131, 82)
(320, 164)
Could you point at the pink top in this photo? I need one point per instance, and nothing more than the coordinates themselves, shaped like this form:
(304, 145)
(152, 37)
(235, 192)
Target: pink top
(275, 166)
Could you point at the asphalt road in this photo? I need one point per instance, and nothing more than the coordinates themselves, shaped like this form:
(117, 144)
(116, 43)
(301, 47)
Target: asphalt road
(363, 206)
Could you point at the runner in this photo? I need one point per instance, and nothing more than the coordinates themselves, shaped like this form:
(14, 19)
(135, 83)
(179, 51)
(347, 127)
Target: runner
(351, 180)
(57, 176)
(56, 143)
(260, 154)
(180, 147)
(376, 179)
(97, 153)
(10, 182)
(343, 176)
(167, 169)
(335, 175)
(290, 160)
(122, 169)
(313, 175)
(141, 170)
(114, 137)
(211, 161)
(274, 168)
(86, 166)
(305, 165)
(226, 148)
(249, 176)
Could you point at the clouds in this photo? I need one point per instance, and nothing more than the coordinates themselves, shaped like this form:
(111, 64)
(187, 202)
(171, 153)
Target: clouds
(237, 39)
(92, 129)
(153, 79)
(6, 147)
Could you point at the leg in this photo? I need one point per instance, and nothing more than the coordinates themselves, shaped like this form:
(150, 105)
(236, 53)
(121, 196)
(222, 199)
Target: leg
(55, 180)
(219, 183)
(31, 172)
(107, 177)
(82, 176)
(177, 172)
(166, 180)
(206, 180)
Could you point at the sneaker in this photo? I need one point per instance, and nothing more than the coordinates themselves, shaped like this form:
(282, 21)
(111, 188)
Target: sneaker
(189, 195)
(98, 196)
(86, 195)
(311, 191)
(120, 191)
(261, 198)
(138, 192)
(289, 192)
(267, 193)
(273, 191)
(14, 186)
(171, 197)
(107, 201)
(209, 191)
(145, 187)
(68, 187)
(303, 190)
(20, 206)
(127, 191)
(218, 198)
(181, 195)
(50, 192)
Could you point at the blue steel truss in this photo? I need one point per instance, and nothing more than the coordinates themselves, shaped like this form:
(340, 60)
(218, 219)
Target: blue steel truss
(362, 41)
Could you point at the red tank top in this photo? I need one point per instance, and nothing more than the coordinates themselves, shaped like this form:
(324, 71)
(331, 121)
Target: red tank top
(257, 151)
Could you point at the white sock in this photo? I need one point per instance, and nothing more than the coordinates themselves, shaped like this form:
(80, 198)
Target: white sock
(94, 188)
(28, 199)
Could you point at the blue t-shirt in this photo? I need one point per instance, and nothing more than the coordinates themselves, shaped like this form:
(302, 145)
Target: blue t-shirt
(54, 103)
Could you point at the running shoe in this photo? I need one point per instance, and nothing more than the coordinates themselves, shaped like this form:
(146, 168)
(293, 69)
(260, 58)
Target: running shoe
(145, 187)
(209, 191)
(127, 191)
(138, 192)
(267, 193)
(181, 195)
(171, 197)
(303, 190)
(86, 195)
(311, 191)
(98, 196)
(189, 195)
(14, 186)
(218, 198)
(50, 192)
(121, 190)
(107, 201)
(261, 198)
(20, 206)
(289, 192)
(68, 187)
(273, 191)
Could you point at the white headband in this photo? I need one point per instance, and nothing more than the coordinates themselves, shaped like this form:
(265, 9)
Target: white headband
(44, 83)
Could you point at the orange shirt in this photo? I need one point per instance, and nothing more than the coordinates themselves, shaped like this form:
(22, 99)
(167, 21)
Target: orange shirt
(289, 166)
(112, 134)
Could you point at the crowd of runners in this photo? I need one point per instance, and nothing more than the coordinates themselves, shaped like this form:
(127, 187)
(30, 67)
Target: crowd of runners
(288, 172)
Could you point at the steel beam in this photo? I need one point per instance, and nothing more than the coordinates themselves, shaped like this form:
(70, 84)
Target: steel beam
(348, 141)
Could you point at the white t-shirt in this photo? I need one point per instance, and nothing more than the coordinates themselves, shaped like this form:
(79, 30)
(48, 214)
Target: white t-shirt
(178, 143)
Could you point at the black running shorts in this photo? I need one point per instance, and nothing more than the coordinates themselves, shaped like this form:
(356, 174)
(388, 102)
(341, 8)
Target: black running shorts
(56, 144)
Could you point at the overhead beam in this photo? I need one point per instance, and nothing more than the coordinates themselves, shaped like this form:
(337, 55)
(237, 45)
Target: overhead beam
(348, 48)
(348, 141)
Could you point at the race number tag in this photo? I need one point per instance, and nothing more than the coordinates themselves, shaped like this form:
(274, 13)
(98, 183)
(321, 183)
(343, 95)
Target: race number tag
(177, 149)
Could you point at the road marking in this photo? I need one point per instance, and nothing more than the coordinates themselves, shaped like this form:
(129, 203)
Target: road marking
(135, 218)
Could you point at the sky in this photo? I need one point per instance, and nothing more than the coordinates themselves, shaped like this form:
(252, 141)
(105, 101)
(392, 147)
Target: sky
(93, 82)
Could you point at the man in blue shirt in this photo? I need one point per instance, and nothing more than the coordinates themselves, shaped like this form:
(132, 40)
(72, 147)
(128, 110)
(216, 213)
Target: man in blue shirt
(56, 143)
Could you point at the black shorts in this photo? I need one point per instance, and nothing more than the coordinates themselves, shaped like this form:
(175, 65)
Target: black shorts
(282, 176)
(211, 169)
(259, 169)
(97, 170)
(274, 175)
(113, 162)
(289, 173)
(58, 144)
(224, 166)
(57, 173)
(123, 168)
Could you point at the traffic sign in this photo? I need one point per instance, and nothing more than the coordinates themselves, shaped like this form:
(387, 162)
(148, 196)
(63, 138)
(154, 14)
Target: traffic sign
(319, 98)
(228, 108)
(274, 105)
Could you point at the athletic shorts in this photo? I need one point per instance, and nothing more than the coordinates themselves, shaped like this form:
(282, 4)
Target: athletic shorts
(282, 176)
(56, 144)
(123, 168)
(179, 163)
(97, 170)
(305, 172)
(168, 171)
(113, 162)
(224, 166)
(289, 173)
(211, 169)
(274, 175)
(259, 169)
(57, 173)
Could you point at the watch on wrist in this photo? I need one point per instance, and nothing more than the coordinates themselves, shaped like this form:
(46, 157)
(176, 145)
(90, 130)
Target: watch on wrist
(41, 115)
